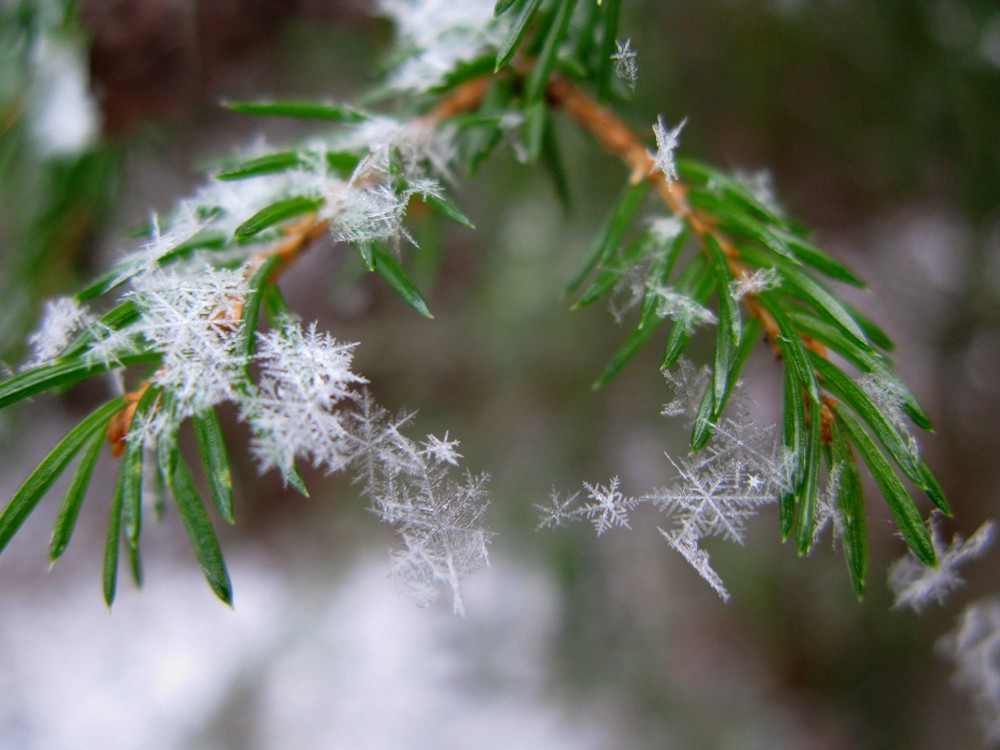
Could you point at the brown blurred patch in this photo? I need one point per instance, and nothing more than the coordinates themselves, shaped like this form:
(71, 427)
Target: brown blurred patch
(156, 59)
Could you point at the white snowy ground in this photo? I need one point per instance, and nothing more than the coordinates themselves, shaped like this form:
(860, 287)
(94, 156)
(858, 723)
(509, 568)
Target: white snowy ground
(354, 666)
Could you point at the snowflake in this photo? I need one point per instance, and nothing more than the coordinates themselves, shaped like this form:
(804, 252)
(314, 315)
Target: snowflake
(974, 647)
(685, 380)
(684, 310)
(295, 409)
(379, 447)
(607, 507)
(558, 511)
(916, 584)
(760, 184)
(666, 228)
(442, 450)
(443, 536)
(666, 143)
(438, 518)
(713, 498)
(192, 320)
(759, 281)
(625, 65)
(718, 490)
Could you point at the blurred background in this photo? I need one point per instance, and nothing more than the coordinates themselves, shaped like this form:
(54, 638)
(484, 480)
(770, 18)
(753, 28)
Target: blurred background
(879, 123)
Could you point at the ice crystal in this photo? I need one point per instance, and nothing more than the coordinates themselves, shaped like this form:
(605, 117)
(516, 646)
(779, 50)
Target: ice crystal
(62, 318)
(666, 228)
(192, 321)
(625, 64)
(974, 648)
(717, 490)
(756, 282)
(606, 507)
(441, 450)
(439, 35)
(684, 310)
(438, 518)
(295, 410)
(889, 396)
(916, 585)
(397, 165)
(440, 522)
(685, 380)
(558, 511)
(826, 512)
(714, 496)
(666, 144)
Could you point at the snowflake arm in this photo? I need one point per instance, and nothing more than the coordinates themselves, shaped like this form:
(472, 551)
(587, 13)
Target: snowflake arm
(916, 585)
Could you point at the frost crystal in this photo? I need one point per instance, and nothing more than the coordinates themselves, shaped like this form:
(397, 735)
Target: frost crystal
(759, 281)
(916, 585)
(558, 511)
(63, 317)
(441, 450)
(974, 647)
(606, 507)
(440, 35)
(441, 524)
(889, 395)
(717, 493)
(192, 321)
(625, 65)
(666, 228)
(666, 143)
(372, 204)
(683, 309)
(438, 518)
(295, 409)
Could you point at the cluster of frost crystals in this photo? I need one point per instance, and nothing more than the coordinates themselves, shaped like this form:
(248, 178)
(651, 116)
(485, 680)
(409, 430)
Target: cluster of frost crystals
(916, 585)
(305, 384)
(62, 318)
(974, 648)
(438, 36)
(192, 321)
(718, 489)
(308, 404)
(437, 514)
(399, 157)
(716, 492)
